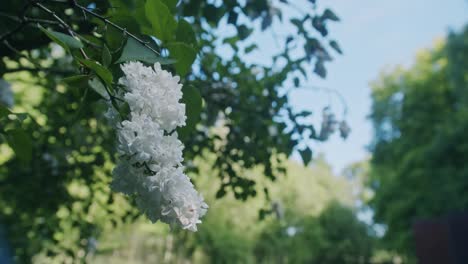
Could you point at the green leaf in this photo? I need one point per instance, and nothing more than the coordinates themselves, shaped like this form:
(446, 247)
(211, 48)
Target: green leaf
(244, 32)
(72, 80)
(320, 69)
(66, 41)
(328, 14)
(296, 82)
(232, 18)
(185, 33)
(232, 41)
(319, 25)
(192, 7)
(115, 39)
(303, 114)
(335, 46)
(212, 13)
(306, 155)
(220, 193)
(171, 4)
(193, 106)
(134, 51)
(185, 56)
(106, 56)
(296, 22)
(98, 87)
(161, 19)
(266, 22)
(4, 111)
(100, 71)
(21, 144)
(250, 48)
(21, 116)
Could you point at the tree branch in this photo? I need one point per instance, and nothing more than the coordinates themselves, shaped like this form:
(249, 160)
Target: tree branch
(28, 19)
(107, 21)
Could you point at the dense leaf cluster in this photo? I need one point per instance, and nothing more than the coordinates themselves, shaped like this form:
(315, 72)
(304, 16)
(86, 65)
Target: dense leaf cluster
(237, 110)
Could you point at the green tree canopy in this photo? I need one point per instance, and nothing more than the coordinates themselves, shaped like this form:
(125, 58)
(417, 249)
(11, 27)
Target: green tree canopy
(335, 236)
(420, 118)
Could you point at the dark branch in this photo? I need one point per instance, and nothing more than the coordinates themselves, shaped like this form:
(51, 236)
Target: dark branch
(28, 19)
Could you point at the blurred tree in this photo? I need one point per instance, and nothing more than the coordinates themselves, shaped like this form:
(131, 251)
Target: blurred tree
(420, 118)
(319, 215)
(61, 58)
(335, 236)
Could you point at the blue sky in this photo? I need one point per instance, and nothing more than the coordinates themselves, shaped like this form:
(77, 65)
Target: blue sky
(374, 35)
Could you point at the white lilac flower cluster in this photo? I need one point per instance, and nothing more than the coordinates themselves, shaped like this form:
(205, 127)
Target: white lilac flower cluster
(150, 164)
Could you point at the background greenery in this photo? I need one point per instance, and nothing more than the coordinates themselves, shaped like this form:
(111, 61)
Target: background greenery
(314, 222)
(419, 169)
(57, 150)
